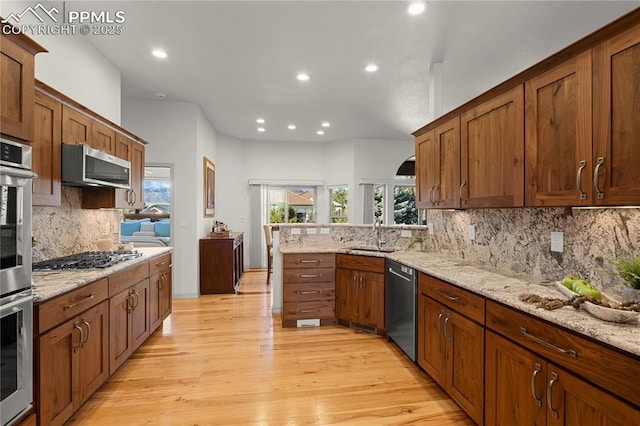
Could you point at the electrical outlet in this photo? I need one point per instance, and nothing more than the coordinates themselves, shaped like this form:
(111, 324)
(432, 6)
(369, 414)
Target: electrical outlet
(430, 227)
(311, 231)
(557, 242)
(324, 231)
(405, 233)
(472, 232)
(295, 231)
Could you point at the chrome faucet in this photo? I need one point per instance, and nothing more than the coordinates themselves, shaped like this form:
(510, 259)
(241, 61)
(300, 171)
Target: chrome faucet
(378, 224)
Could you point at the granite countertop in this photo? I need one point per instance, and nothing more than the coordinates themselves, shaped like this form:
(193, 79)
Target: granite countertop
(504, 287)
(49, 284)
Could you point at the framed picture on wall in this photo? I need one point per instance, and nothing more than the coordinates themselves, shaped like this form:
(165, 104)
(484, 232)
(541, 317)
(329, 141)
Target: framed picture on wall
(209, 188)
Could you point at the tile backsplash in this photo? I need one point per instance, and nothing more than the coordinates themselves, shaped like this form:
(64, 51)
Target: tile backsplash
(68, 229)
(516, 241)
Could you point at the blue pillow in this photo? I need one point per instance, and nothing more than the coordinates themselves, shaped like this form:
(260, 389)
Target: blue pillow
(163, 229)
(128, 228)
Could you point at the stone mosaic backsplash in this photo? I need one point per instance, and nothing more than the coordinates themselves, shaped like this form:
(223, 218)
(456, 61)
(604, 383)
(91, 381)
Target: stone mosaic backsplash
(516, 241)
(69, 229)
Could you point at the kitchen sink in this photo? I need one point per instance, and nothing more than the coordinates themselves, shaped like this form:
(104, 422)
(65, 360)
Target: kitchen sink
(371, 248)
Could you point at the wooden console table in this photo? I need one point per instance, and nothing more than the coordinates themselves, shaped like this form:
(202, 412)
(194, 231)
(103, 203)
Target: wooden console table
(221, 263)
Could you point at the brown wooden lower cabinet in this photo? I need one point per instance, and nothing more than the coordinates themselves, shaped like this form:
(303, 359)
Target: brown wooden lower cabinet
(73, 363)
(160, 295)
(523, 388)
(451, 351)
(221, 264)
(360, 291)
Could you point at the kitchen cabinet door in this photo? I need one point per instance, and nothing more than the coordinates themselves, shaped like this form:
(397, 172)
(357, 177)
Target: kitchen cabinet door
(371, 293)
(46, 150)
(103, 138)
(140, 325)
(159, 298)
(616, 120)
(137, 176)
(492, 152)
(558, 136)
(93, 357)
(346, 295)
(431, 344)
(17, 85)
(515, 384)
(427, 165)
(120, 329)
(76, 127)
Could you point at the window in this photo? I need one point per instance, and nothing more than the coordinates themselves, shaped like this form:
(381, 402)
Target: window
(404, 205)
(157, 191)
(378, 202)
(292, 205)
(338, 197)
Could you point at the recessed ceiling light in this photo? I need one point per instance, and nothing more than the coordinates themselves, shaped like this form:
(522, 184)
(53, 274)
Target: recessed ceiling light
(326, 124)
(371, 68)
(291, 127)
(159, 53)
(303, 76)
(260, 120)
(320, 132)
(416, 8)
(261, 129)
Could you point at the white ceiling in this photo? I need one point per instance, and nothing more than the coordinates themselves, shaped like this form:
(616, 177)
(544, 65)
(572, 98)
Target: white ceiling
(238, 59)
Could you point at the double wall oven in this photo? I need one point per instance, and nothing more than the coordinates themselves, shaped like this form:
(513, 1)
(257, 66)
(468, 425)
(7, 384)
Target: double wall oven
(16, 300)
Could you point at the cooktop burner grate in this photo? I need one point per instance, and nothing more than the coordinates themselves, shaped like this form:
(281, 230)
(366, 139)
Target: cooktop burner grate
(86, 260)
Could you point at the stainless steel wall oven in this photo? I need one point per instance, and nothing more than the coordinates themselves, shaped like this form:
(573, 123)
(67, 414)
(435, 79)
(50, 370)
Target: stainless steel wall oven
(16, 300)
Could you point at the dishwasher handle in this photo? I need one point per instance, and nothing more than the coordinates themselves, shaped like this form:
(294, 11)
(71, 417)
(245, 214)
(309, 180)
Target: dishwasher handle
(399, 275)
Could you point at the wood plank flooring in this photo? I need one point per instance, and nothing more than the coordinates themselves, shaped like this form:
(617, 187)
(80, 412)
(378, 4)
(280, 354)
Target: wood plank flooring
(225, 360)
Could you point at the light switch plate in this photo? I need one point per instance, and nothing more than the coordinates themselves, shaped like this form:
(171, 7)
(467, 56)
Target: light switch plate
(557, 242)
(324, 231)
(295, 231)
(312, 231)
(430, 227)
(472, 232)
(405, 233)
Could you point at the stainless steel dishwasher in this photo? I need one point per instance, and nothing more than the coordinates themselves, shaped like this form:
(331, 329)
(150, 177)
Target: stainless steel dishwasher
(402, 307)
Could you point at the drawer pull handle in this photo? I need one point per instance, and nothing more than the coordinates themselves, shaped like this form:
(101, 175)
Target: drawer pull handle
(534, 375)
(554, 379)
(308, 292)
(309, 261)
(308, 311)
(73, 305)
(452, 298)
(161, 263)
(310, 275)
(569, 352)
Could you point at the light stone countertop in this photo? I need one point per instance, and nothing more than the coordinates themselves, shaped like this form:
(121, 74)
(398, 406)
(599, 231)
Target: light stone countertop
(504, 287)
(49, 284)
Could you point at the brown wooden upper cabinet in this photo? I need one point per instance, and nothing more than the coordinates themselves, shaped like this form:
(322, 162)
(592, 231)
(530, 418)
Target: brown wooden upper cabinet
(17, 84)
(492, 152)
(616, 120)
(76, 127)
(438, 178)
(558, 135)
(103, 138)
(46, 154)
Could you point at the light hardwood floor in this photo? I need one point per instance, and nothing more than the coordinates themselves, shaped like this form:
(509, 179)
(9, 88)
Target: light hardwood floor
(225, 360)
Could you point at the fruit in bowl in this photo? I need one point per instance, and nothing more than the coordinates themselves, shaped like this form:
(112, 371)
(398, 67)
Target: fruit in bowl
(581, 287)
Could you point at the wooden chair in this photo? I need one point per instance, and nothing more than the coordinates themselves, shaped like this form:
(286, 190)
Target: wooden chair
(267, 237)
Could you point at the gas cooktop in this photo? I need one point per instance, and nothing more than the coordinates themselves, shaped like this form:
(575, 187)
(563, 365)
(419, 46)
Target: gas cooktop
(86, 260)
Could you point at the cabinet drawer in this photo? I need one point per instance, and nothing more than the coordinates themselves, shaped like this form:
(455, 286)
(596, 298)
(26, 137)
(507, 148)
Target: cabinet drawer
(613, 370)
(127, 277)
(309, 260)
(56, 311)
(452, 296)
(308, 292)
(360, 263)
(311, 275)
(159, 263)
(308, 310)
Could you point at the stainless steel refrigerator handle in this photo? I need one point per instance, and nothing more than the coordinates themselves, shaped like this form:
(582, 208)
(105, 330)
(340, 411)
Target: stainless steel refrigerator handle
(398, 275)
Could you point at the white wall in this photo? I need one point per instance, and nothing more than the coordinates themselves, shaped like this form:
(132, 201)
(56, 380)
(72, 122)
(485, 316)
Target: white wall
(75, 68)
(206, 146)
(172, 131)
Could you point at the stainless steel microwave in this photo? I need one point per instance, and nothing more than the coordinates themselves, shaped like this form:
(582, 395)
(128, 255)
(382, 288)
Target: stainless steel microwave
(86, 166)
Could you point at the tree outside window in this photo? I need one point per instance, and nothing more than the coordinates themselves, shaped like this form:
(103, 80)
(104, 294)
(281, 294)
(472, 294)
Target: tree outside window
(339, 208)
(378, 202)
(292, 205)
(404, 205)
